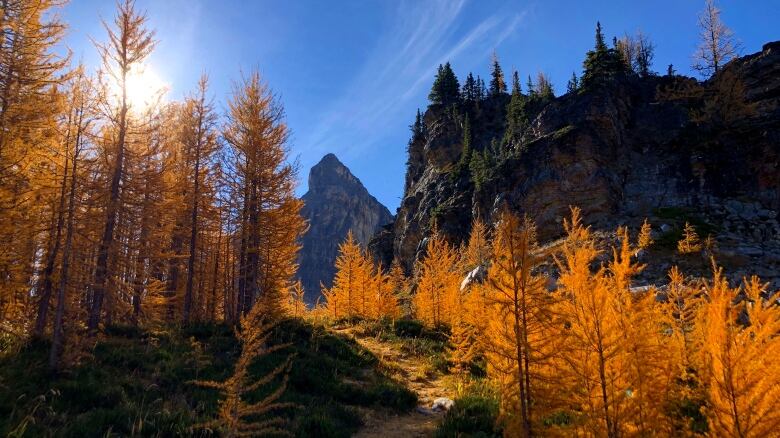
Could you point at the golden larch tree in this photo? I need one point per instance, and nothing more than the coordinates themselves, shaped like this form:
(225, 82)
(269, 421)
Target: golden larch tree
(399, 285)
(386, 301)
(519, 338)
(237, 416)
(680, 311)
(263, 184)
(477, 250)
(296, 304)
(31, 157)
(342, 297)
(438, 282)
(79, 121)
(592, 376)
(647, 359)
(129, 43)
(199, 138)
(690, 241)
(740, 365)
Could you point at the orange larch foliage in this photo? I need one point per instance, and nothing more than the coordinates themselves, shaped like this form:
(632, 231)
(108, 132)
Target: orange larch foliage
(470, 325)
(649, 362)
(342, 299)
(367, 288)
(438, 283)
(237, 416)
(680, 312)
(645, 239)
(296, 306)
(268, 216)
(385, 303)
(32, 156)
(463, 345)
(739, 358)
(609, 335)
(690, 242)
(477, 250)
(398, 285)
(519, 338)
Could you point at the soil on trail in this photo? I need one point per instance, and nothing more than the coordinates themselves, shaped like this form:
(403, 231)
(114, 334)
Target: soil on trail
(416, 374)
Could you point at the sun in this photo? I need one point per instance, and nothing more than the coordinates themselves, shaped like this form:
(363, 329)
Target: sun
(145, 88)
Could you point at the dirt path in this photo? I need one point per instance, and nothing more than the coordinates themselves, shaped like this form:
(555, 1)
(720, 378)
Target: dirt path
(414, 372)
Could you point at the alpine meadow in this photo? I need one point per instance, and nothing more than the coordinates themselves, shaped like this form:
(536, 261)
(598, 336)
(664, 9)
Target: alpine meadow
(581, 247)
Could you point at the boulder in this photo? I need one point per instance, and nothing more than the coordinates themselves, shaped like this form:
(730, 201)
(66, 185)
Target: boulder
(442, 404)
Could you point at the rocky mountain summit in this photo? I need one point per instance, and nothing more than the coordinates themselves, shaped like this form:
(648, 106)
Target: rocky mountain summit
(663, 147)
(336, 203)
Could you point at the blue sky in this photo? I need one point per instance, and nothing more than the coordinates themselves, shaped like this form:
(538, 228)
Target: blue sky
(351, 74)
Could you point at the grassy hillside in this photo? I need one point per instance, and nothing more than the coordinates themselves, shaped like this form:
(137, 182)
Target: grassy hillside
(139, 382)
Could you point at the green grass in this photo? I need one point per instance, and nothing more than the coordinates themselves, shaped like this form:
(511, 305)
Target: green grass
(474, 414)
(138, 382)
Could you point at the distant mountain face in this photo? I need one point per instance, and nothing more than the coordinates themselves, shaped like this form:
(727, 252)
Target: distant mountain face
(335, 203)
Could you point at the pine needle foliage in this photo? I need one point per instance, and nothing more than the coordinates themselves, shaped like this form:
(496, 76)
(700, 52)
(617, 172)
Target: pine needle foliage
(690, 242)
(438, 283)
(518, 342)
(237, 416)
(739, 359)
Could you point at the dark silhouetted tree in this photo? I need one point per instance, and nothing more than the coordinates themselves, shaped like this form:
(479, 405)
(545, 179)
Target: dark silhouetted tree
(574, 83)
(601, 63)
(446, 89)
(497, 82)
(516, 116)
(470, 90)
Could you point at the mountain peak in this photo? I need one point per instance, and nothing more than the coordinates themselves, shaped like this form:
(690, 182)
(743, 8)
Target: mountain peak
(330, 171)
(336, 203)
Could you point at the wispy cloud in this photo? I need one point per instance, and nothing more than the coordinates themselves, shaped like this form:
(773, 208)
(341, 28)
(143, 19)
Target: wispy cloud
(420, 36)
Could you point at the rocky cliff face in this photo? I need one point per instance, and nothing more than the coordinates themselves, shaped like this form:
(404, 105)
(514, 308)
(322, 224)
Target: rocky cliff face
(335, 203)
(623, 151)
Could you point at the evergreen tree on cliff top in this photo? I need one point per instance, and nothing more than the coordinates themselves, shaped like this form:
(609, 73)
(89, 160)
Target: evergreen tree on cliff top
(516, 116)
(446, 89)
(601, 63)
(497, 83)
(470, 91)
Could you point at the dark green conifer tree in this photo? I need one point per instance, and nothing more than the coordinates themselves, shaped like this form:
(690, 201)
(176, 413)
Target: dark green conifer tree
(516, 116)
(418, 128)
(470, 91)
(483, 163)
(466, 153)
(544, 88)
(601, 63)
(418, 132)
(531, 87)
(445, 89)
(516, 83)
(574, 83)
(482, 89)
(497, 82)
